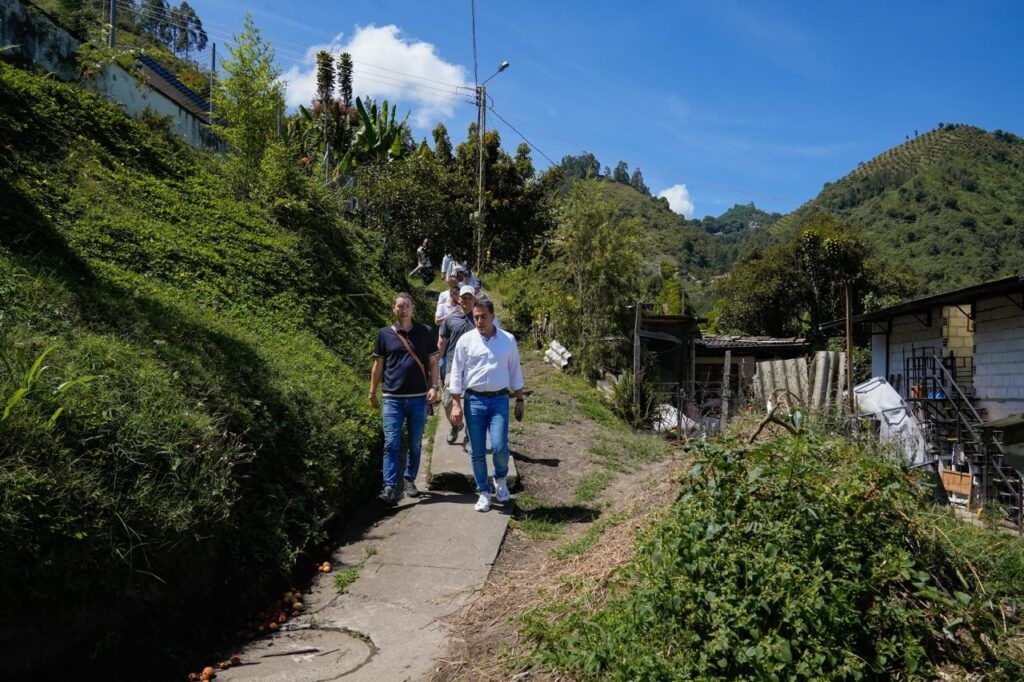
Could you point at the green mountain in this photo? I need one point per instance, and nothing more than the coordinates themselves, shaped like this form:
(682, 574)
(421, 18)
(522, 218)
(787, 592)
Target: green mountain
(947, 206)
(700, 253)
(739, 218)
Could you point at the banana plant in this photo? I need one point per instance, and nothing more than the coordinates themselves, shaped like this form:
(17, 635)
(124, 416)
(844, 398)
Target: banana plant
(380, 137)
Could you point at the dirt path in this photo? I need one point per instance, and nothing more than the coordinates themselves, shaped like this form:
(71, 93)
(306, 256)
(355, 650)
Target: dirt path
(588, 485)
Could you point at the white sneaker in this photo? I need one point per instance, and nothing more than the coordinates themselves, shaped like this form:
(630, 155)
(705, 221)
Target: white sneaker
(484, 503)
(501, 490)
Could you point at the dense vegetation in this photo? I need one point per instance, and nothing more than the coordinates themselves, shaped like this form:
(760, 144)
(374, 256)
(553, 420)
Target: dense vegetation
(945, 206)
(808, 557)
(225, 427)
(793, 286)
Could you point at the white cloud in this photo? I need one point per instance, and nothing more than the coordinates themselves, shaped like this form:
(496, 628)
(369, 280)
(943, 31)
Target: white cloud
(388, 65)
(678, 199)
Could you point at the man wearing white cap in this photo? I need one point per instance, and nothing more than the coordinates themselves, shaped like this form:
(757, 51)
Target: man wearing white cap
(452, 328)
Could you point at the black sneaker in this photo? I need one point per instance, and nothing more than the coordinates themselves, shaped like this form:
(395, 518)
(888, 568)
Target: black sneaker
(410, 489)
(389, 495)
(453, 435)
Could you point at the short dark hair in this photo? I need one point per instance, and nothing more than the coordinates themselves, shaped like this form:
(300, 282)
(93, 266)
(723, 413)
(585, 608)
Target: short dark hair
(484, 302)
(403, 294)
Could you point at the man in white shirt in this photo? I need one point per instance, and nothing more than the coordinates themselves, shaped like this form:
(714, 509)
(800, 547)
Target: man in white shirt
(485, 369)
(454, 284)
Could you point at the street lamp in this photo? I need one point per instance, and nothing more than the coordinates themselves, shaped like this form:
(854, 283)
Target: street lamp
(504, 65)
(481, 125)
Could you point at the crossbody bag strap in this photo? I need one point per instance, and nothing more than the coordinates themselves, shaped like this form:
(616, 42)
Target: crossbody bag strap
(415, 357)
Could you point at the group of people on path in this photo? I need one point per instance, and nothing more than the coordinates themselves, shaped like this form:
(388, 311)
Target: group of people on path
(473, 368)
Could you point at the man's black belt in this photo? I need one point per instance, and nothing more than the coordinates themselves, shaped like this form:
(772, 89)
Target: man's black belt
(487, 394)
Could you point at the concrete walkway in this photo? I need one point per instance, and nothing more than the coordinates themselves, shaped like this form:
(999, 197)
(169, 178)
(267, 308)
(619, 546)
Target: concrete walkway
(421, 561)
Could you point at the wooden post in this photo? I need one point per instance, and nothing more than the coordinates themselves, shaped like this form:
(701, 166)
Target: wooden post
(848, 291)
(636, 357)
(725, 388)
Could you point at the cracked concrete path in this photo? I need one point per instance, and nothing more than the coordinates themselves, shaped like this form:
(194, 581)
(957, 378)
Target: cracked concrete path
(420, 561)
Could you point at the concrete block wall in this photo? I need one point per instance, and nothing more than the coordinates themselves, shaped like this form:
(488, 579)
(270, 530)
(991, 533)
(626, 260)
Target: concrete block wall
(907, 336)
(999, 356)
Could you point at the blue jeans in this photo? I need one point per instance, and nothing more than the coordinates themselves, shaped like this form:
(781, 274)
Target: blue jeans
(487, 416)
(398, 411)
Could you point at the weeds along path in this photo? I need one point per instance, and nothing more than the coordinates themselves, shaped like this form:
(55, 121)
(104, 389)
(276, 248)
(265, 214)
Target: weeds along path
(588, 484)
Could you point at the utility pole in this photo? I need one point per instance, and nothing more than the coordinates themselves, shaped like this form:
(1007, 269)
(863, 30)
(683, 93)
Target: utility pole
(848, 299)
(113, 24)
(481, 125)
(213, 77)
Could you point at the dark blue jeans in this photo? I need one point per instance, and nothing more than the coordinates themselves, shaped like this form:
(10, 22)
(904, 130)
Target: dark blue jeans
(487, 416)
(398, 411)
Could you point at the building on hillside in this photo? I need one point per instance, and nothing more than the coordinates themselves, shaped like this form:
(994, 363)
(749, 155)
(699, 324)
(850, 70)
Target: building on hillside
(37, 37)
(958, 359)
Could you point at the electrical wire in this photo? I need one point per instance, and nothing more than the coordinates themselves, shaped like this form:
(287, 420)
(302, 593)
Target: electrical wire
(532, 145)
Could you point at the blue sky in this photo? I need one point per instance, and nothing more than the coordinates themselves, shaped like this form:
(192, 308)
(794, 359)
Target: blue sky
(739, 102)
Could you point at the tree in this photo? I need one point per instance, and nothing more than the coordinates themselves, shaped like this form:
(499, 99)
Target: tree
(324, 98)
(524, 164)
(636, 181)
(597, 255)
(580, 167)
(345, 78)
(621, 173)
(186, 30)
(248, 98)
(442, 145)
(324, 79)
(156, 20)
(791, 288)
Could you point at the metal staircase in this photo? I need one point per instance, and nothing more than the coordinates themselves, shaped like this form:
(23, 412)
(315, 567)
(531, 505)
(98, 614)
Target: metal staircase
(992, 479)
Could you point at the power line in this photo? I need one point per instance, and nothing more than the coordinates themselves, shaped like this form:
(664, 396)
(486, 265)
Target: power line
(297, 56)
(532, 145)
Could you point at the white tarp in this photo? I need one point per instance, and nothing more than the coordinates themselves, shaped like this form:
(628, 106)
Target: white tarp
(667, 420)
(898, 425)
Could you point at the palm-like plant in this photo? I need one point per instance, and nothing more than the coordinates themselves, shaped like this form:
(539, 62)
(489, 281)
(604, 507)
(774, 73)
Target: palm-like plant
(380, 137)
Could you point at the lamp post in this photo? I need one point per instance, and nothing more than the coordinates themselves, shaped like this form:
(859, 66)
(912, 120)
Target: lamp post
(481, 125)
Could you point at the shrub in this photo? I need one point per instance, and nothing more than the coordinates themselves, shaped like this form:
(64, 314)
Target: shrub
(801, 558)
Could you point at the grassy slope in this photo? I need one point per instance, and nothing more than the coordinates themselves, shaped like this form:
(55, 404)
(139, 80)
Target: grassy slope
(946, 205)
(227, 428)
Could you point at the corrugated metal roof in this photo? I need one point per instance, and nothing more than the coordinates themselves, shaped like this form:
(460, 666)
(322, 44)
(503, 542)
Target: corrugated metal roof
(736, 341)
(993, 289)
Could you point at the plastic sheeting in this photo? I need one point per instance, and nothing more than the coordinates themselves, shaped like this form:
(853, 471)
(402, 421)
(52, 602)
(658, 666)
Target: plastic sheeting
(898, 425)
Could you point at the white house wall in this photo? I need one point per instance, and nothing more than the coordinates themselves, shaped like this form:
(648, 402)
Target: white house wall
(116, 84)
(907, 336)
(999, 356)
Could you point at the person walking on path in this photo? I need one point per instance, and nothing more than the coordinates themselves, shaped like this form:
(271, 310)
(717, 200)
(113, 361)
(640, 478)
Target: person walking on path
(422, 263)
(485, 369)
(452, 329)
(448, 306)
(401, 358)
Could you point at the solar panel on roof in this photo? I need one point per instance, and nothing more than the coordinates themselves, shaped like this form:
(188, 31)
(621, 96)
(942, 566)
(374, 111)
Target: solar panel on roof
(175, 83)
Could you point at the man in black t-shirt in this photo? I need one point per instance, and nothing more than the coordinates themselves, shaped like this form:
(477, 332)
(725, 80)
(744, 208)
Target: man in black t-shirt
(405, 368)
(454, 326)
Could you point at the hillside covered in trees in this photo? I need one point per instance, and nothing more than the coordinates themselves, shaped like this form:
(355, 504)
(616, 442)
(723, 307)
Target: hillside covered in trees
(699, 249)
(947, 206)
